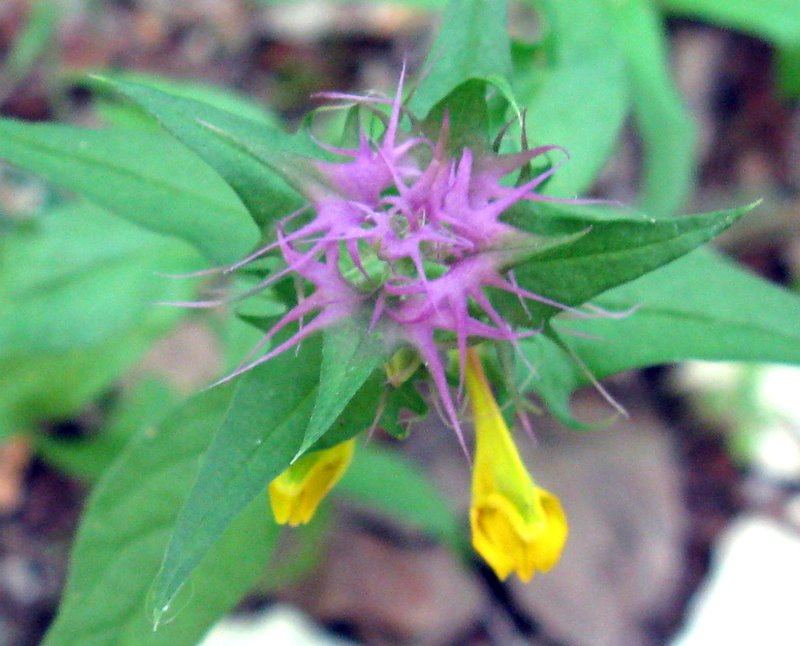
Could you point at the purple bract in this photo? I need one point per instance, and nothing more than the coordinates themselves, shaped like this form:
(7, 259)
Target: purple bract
(413, 237)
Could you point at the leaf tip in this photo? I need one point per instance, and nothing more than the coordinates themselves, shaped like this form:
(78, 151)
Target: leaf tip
(754, 204)
(94, 77)
(161, 601)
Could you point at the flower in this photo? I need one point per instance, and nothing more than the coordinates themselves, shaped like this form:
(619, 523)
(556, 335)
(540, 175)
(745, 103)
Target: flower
(516, 525)
(406, 235)
(297, 492)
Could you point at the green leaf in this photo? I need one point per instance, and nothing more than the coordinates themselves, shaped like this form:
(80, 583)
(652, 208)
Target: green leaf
(34, 40)
(256, 440)
(466, 111)
(125, 531)
(222, 99)
(57, 385)
(349, 356)
(698, 307)
(376, 404)
(472, 43)
(145, 178)
(383, 479)
(252, 157)
(789, 72)
(776, 20)
(402, 401)
(80, 285)
(580, 99)
(77, 275)
(87, 458)
(358, 416)
(580, 107)
(612, 251)
(664, 123)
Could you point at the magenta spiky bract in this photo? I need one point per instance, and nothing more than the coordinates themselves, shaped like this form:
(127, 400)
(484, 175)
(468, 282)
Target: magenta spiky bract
(415, 242)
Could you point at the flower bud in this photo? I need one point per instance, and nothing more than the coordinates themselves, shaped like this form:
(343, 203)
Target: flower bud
(297, 492)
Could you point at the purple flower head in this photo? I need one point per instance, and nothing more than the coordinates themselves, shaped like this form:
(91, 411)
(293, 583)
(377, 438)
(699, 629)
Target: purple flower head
(411, 235)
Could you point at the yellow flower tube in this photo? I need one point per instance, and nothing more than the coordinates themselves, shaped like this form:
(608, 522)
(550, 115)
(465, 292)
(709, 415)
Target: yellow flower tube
(296, 493)
(516, 525)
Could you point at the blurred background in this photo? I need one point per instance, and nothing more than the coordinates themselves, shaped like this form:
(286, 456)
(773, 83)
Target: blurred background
(685, 517)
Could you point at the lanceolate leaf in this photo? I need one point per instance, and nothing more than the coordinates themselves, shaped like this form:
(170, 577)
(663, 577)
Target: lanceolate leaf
(377, 404)
(77, 275)
(143, 406)
(579, 99)
(349, 355)
(141, 176)
(33, 41)
(78, 285)
(735, 315)
(223, 99)
(255, 441)
(666, 126)
(581, 107)
(775, 20)
(359, 414)
(266, 427)
(612, 252)
(472, 43)
(125, 531)
(57, 385)
(468, 121)
(698, 307)
(251, 156)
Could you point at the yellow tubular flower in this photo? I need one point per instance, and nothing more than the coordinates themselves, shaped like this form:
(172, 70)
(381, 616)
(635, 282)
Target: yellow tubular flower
(296, 493)
(516, 525)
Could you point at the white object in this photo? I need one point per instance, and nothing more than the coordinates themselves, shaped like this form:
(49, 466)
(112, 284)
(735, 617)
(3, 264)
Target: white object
(280, 625)
(751, 596)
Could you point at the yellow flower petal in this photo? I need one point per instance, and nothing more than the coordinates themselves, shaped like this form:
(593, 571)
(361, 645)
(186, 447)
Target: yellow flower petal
(297, 492)
(516, 525)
